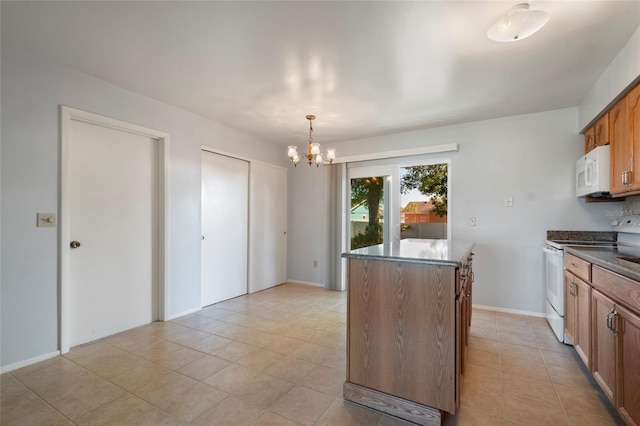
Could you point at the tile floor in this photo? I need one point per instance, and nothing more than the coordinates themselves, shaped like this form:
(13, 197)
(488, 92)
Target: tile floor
(277, 357)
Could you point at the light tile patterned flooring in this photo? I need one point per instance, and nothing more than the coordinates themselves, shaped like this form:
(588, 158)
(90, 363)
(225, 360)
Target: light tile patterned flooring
(277, 357)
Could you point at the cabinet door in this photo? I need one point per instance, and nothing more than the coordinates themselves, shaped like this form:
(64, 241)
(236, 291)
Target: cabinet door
(583, 321)
(604, 344)
(629, 366)
(570, 307)
(620, 147)
(601, 130)
(589, 139)
(633, 109)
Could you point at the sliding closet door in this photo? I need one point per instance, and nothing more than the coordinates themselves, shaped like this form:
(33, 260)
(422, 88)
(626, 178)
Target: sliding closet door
(268, 218)
(225, 213)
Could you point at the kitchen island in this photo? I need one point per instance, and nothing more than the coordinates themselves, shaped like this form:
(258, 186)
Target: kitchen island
(408, 318)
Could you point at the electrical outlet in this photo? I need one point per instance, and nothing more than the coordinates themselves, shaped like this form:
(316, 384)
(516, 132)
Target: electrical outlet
(472, 221)
(46, 220)
(508, 201)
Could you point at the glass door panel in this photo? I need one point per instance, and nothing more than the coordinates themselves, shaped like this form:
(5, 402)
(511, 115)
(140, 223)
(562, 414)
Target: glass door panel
(423, 201)
(367, 216)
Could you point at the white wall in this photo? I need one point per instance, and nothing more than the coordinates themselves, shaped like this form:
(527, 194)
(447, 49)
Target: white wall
(32, 90)
(529, 157)
(621, 72)
(308, 222)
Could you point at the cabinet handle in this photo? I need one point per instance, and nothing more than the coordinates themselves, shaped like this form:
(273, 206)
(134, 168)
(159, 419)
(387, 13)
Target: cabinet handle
(610, 318)
(574, 265)
(624, 178)
(572, 288)
(629, 177)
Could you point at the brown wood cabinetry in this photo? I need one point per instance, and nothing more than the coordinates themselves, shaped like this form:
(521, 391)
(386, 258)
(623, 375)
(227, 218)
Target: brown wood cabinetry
(602, 320)
(589, 139)
(578, 267)
(601, 131)
(464, 303)
(397, 312)
(598, 134)
(616, 341)
(603, 360)
(633, 115)
(624, 131)
(578, 315)
(407, 331)
(628, 403)
(620, 148)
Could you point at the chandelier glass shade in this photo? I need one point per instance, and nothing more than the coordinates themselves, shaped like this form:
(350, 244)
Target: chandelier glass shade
(313, 154)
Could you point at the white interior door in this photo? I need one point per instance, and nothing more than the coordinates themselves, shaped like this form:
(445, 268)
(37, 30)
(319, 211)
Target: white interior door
(113, 201)
(225, 215)
(268, 221)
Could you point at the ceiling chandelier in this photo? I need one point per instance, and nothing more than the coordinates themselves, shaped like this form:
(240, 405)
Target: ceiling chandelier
(518, 23)
(313, 154)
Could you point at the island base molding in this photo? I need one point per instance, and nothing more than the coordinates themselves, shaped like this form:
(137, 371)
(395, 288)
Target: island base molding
(398, 407)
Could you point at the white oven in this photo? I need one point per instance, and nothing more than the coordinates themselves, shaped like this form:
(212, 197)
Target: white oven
(554, 288)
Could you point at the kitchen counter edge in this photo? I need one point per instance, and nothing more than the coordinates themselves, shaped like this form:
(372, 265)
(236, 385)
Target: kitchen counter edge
(606, 259)
(458, 252)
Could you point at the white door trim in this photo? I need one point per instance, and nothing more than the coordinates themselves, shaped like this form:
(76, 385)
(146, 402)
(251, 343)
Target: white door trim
(66, 115)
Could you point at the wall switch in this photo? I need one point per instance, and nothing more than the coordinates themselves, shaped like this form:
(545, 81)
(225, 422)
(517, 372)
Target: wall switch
(508, 201)
(315, 263)
(46, 220)
(472, 221)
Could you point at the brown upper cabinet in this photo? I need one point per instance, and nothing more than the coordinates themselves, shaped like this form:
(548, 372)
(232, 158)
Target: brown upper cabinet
(601, 134)
(598, 134)
(620, 148)
(589, 139)
(624, 132)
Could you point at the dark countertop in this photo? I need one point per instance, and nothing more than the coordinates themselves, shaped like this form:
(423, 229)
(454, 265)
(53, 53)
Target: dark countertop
(437, 252)
(584, 236)
(609, 258)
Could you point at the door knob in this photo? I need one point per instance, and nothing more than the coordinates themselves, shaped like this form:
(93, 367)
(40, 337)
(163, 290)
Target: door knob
(74, 244)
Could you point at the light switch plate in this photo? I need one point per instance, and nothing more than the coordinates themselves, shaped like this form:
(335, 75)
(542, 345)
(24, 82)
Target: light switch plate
(47, 220)
(472, 221)
(508, 201)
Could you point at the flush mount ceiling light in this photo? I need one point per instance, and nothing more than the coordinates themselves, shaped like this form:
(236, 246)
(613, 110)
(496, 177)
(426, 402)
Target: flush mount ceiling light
(519, 23)
(313, 154)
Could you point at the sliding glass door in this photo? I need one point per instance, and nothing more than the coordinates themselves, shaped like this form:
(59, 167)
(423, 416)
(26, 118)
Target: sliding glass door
(390, 202)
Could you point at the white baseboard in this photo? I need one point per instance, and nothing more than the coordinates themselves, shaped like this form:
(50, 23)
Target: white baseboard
(511, 311)
(305, 283)
(28, 362)
(181, 314)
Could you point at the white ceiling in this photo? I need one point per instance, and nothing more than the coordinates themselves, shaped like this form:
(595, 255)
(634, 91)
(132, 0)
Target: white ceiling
(363, 68)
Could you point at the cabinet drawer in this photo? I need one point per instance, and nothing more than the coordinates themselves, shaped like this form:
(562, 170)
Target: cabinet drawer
(619, 288)
(578, 267)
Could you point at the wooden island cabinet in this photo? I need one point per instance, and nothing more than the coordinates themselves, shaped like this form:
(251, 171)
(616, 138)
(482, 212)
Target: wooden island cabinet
(408, 318)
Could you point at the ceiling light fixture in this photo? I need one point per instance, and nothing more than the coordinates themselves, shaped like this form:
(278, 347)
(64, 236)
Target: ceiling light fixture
(518, 23)
(313, 154)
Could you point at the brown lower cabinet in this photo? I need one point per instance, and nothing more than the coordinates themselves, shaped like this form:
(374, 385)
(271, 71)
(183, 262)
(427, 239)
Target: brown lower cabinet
(604, 344)
(602, 320)
(577, 315)
(408, 327)
(628, 402)
(616, 355)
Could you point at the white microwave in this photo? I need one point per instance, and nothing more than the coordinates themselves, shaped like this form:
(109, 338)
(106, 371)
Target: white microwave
(592, 172)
